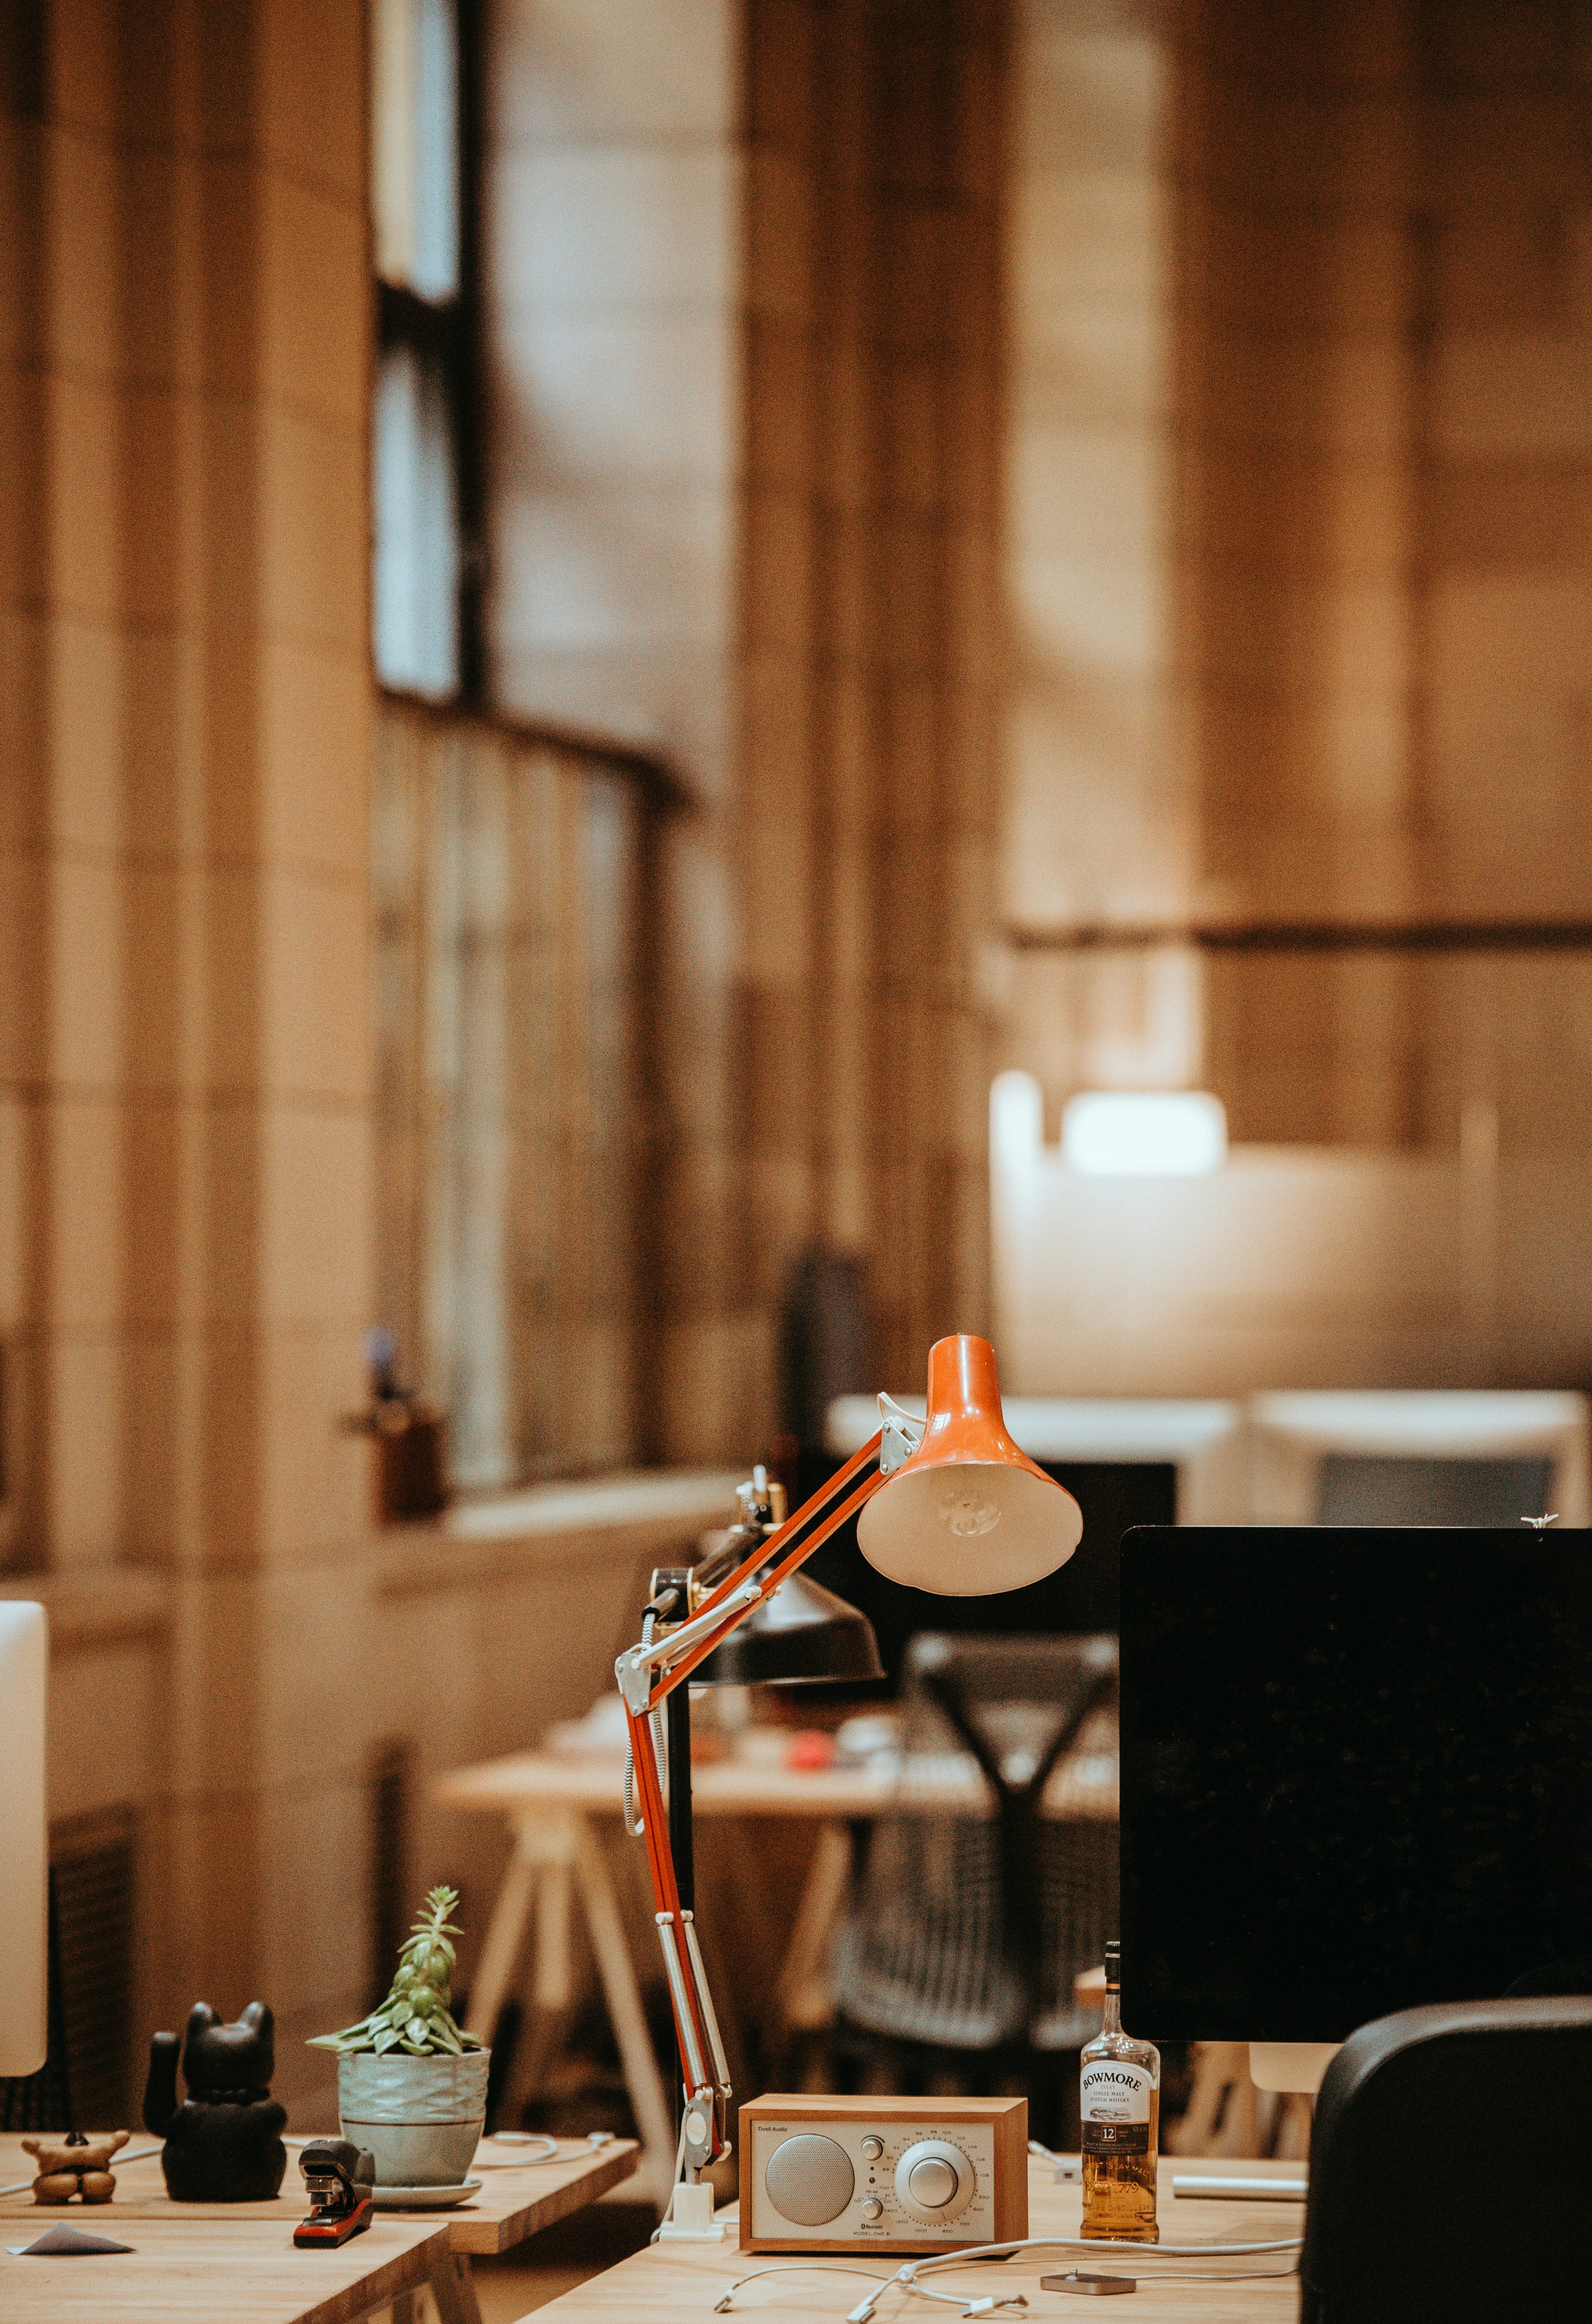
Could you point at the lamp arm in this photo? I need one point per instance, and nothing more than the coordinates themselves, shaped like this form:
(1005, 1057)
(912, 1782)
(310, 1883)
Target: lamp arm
(647, 1677)
(677, 1655)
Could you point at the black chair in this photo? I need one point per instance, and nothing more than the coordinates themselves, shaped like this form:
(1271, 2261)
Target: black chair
(1374, 1489)
(1448, 2164)
(967, 1931)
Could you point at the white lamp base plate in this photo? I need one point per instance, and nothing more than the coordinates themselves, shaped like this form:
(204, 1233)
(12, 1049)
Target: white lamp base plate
(690, 2216)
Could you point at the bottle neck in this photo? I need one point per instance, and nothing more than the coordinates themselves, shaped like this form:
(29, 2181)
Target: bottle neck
(1112, 2021)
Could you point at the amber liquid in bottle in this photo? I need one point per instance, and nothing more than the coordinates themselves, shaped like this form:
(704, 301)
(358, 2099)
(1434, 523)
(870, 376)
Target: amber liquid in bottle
(1120, 2083)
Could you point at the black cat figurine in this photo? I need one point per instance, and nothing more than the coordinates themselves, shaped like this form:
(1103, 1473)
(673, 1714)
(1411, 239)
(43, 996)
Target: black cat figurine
(224, 2143)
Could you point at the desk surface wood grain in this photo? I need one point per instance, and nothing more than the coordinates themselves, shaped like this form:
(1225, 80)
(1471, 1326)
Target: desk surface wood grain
(510, 2206)
(679, 2283)
(210, 2271)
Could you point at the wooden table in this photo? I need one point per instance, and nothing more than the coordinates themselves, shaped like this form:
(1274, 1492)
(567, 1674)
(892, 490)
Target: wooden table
(679, 2283)
(551, 1804)
(175, 2243)
(214, 2271)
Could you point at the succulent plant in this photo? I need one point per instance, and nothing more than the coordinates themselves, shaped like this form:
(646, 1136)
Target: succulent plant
(415, 2017)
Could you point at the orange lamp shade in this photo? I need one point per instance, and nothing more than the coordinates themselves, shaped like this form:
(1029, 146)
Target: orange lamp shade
(968, 1514)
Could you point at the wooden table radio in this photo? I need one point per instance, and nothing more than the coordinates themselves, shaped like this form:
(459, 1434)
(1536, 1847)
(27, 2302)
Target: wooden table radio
(826, 2175)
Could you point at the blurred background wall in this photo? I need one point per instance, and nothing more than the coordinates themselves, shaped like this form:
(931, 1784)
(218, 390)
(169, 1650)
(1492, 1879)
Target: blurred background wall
(1029, 533)
(1298, 738)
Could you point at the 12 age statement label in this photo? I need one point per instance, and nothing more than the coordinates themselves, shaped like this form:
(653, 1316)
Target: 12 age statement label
(1115, 2098)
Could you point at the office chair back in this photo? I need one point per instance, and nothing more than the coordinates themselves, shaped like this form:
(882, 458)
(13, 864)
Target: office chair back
(1451, 2151)
(1375, 1488)
(967, 1929)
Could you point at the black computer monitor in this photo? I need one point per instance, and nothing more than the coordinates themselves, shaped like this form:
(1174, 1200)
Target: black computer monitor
(1357, 1772)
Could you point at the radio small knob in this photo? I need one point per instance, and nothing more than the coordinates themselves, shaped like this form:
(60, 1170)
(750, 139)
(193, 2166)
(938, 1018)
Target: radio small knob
(873, 2146)
(872, 2208)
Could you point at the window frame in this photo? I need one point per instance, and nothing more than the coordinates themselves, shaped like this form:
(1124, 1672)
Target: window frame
(447, 333)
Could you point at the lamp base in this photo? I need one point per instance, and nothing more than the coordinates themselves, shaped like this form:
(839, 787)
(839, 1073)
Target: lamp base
(689, 2218)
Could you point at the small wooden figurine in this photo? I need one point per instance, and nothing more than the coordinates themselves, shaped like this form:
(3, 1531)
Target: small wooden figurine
(75, 2165)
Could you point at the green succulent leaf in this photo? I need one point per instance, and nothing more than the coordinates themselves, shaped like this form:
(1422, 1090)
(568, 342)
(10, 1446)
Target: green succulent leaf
(416, 2015)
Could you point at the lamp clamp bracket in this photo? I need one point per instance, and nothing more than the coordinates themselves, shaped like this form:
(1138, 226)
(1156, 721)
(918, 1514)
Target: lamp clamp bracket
(633, 1669)
(901, 1434)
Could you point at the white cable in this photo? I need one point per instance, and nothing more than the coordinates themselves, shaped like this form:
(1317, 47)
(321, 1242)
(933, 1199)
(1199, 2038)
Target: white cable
(679, 2167)
(803, 2267)
(597, 2139)
(1068, 2167)
(636, 1825)
(592, 2142)
(914, 2268)
(972, 2303)
(1239, 2276)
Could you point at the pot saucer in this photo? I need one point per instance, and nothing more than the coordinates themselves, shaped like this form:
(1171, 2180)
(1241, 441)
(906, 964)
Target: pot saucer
(424, 2198)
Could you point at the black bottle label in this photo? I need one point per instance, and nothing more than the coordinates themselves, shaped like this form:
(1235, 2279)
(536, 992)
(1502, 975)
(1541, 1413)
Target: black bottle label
(1116, 2138)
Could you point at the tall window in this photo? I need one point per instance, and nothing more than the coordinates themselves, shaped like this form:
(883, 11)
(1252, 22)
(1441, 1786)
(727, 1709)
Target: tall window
(511, 1083)
(422, 484)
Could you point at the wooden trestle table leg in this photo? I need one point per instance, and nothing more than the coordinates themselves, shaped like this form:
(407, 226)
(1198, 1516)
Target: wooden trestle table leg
(505, 1932)
(806, 1999)
(454, 2289)
(625, 2015)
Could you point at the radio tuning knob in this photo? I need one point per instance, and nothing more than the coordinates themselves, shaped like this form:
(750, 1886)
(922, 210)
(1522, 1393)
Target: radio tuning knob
(933, 2183)
(935, 2180)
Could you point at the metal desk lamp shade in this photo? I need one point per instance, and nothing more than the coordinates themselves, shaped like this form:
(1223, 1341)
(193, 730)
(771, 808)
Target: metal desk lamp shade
(801, 1631)
(968, 1513)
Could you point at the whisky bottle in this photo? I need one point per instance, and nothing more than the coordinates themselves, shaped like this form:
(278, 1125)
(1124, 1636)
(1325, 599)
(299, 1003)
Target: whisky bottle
(1120, 2094)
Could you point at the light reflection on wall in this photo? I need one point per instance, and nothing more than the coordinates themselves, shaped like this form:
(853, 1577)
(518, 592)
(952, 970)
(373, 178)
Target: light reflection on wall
(1290, 1266)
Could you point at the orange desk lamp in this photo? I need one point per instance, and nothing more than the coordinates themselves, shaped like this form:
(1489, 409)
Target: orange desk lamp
(955, 1508)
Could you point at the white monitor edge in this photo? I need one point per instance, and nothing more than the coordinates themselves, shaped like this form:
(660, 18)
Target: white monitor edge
(1290, 2065)
(24, 1846)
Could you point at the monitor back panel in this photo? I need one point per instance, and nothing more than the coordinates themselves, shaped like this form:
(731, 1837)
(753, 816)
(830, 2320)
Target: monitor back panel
(1357, 1772)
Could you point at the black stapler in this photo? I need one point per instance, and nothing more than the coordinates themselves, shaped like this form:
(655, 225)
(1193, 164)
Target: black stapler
(341, 2179)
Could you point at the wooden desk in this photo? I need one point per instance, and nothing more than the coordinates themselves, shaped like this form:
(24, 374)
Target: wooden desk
(678, 2283)
(551, 1804)
(511, 2205)
(212, 2271)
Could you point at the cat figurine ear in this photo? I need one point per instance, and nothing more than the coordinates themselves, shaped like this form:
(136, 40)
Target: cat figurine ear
(258, 2018)
(236, 2057)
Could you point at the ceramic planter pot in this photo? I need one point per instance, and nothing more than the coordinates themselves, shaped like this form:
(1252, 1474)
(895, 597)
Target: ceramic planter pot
(420, 2118)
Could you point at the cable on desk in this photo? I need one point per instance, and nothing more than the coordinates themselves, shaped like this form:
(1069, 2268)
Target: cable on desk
(970, 2303)
(636, 1825)
(1068, 2166)
(803, 2267)
(915, 2268)
(594, 2141)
